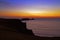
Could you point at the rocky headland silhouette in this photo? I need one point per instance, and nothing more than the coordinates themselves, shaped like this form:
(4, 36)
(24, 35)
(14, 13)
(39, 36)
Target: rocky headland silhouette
(16, 24)
(16, 29)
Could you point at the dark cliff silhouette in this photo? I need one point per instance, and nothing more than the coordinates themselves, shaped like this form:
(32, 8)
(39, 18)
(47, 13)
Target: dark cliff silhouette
(16, 24)
(21, 33)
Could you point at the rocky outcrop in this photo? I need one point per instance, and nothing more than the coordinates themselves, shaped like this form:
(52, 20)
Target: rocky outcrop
(16, 24)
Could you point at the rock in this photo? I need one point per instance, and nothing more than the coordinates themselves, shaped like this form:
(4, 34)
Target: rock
(16, 24)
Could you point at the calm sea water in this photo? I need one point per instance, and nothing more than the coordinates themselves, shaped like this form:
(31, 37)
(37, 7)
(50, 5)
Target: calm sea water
(45, 27)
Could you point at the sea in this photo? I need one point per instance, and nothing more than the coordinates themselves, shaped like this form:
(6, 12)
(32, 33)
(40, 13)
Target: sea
(44, 27)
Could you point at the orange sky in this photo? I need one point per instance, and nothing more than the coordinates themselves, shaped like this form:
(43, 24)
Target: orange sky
(30, 9)
(31, 14)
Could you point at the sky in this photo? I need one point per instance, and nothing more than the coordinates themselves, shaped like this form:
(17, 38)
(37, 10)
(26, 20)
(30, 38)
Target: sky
(21, 8)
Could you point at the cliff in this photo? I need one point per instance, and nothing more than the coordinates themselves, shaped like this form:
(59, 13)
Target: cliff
(16, 24)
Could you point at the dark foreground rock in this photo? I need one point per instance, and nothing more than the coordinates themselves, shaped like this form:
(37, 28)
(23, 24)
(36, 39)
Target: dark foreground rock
(9, 35)
(14, 29)
(16, 24)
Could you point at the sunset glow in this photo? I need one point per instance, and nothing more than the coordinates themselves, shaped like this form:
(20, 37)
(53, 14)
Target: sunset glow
(31, 8)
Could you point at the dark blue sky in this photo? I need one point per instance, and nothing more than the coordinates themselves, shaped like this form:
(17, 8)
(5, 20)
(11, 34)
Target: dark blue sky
(28, 3)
